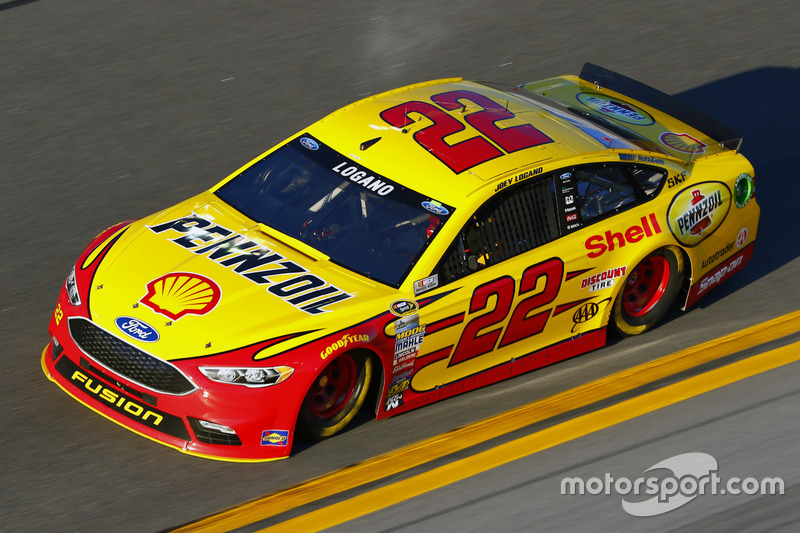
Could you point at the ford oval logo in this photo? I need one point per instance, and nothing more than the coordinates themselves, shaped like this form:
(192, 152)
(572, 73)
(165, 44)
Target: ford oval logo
(309, 143)
(136, 329)
(436, 209)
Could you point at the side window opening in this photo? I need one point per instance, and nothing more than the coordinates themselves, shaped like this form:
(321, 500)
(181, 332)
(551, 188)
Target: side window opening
(509, 224)
(528, 214)
(648, 178)
(602, 190)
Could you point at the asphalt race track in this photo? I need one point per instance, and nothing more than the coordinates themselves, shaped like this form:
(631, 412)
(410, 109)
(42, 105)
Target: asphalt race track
(112, 110)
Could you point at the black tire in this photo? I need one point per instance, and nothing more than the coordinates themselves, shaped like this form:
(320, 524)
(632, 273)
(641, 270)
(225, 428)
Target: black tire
(335, 396)
(648, 292)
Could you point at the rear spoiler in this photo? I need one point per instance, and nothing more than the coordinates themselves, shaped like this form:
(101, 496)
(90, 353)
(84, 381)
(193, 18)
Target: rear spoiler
(663, 102)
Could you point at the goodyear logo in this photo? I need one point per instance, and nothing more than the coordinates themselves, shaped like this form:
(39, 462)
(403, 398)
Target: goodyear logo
(342, 343)
(274, 437)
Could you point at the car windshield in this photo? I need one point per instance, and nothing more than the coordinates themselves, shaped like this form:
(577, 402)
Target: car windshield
(359, 219)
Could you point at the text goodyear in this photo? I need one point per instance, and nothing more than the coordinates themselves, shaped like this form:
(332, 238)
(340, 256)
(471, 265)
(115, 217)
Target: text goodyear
(342, 343)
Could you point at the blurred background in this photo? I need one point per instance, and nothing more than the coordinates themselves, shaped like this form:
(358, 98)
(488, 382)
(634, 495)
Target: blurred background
(112, 110)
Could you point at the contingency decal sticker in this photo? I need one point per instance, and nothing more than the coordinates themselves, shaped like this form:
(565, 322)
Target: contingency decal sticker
(408, 340)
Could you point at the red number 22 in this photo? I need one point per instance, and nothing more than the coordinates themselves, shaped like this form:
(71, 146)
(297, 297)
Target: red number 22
(523, 323)
(475, 150)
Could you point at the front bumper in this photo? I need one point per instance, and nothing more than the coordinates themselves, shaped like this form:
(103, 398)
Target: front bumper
(262, 420)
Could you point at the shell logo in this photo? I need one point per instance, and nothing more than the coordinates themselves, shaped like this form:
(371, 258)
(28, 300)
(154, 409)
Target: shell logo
(682, 142)
(181, 293)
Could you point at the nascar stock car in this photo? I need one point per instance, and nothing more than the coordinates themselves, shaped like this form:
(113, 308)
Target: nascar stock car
(409, 247)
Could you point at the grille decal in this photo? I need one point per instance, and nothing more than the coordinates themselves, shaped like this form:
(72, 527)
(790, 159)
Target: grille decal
(127, 360)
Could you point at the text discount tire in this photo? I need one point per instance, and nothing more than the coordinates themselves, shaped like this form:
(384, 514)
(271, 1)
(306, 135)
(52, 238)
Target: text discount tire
(648, 292)
(335, 396)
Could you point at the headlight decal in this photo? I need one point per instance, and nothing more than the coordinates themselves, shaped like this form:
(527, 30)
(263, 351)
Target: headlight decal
(71, 285)
(249, 377)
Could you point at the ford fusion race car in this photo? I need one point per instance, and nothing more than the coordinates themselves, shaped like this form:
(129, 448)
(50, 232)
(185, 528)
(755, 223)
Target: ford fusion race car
(409, 247)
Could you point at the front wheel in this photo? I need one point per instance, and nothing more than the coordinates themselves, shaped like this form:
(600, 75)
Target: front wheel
(649, 291)
(335, 396)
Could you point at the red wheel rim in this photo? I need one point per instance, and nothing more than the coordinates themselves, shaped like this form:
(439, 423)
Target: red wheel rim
(646, 286)
(333, 387)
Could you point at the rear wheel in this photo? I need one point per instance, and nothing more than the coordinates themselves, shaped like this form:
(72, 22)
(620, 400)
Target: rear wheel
(335, 396)
(649, 292)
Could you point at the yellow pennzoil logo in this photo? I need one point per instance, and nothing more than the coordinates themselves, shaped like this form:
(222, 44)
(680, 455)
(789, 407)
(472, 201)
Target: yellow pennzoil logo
(181, 293)
(133, 409)
(59, 314)
(697, 211)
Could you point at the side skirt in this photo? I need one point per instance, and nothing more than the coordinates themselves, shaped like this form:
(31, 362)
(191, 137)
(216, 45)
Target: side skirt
(548, 356)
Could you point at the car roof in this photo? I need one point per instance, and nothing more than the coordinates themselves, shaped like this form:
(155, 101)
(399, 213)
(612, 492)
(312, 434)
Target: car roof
(353, 130)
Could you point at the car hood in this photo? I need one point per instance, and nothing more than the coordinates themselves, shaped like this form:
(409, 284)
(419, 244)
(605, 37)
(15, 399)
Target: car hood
(200, 279)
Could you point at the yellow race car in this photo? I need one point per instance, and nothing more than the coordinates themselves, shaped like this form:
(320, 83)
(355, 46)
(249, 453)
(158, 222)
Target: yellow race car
(409, 247)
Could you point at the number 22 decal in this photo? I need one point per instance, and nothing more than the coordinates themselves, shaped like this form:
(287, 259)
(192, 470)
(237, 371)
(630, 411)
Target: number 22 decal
(465, 154)
(524, 321)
